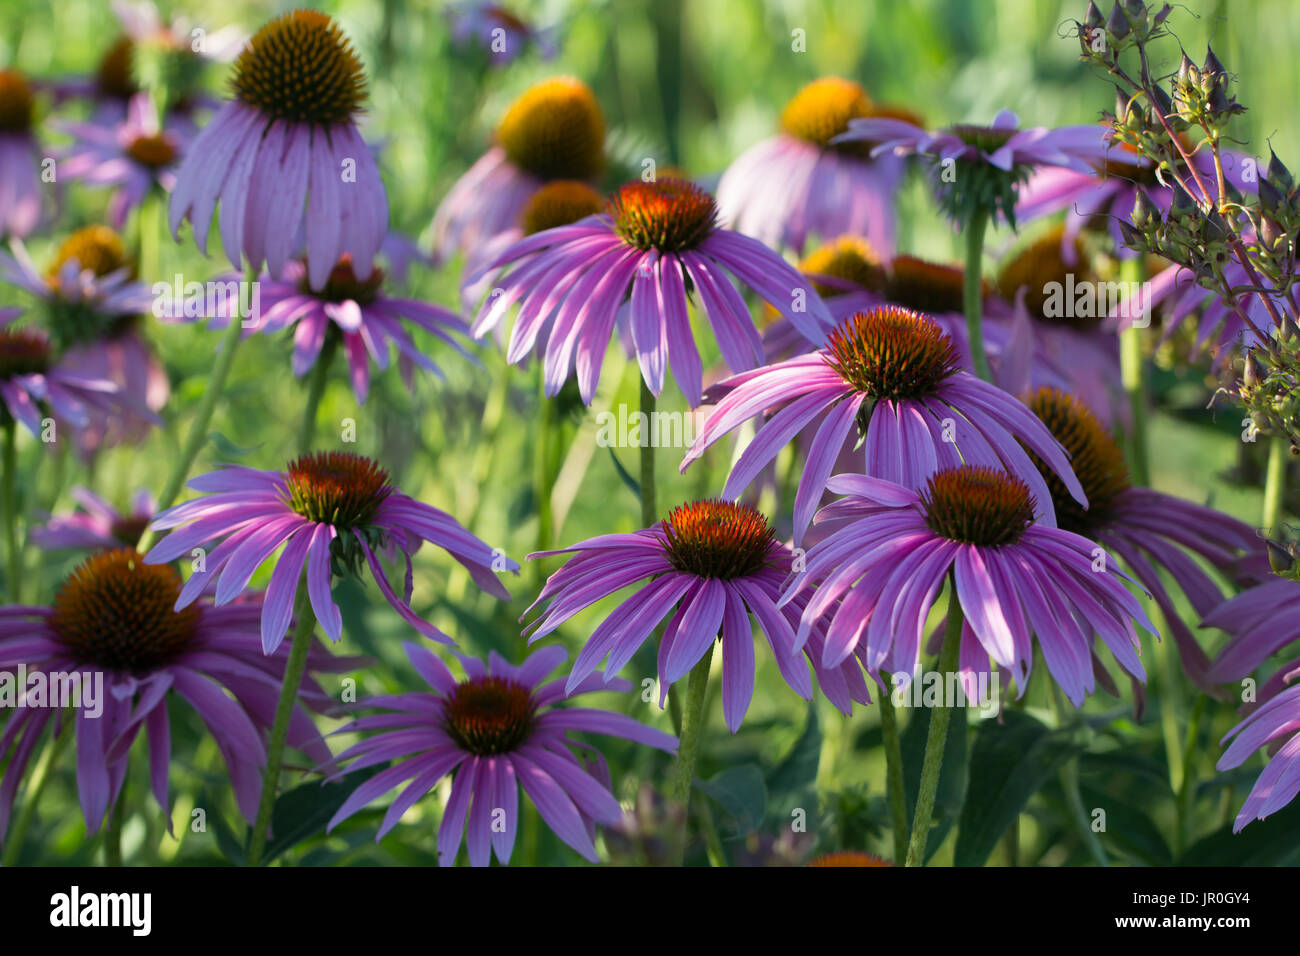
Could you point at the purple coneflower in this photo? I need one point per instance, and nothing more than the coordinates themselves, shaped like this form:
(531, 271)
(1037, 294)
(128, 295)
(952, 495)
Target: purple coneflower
(497, 730)
(555, 130)
(802, 182)
(357, 314)
(287, 143)
(32, 380)
(496, 31)
(879, 573)
(96, 525)
(1149, 531)
(134, 157)
(331, 511)
(890, 377)
(20, 180)
(1275, 722)
(713, 565)
(113, 616)
(654, 240)
(1259, 622)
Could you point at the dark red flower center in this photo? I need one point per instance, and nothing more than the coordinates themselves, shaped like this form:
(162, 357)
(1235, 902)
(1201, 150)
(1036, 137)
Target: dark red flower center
(343, 284)
(1040, 265)
(849, 259)
(670, 215)
(925, 286)
(152, 151)
(559, 203)
(978, 505)
(301, 67)
(23, 352)
(336, 488)
(717, 539)
(115, 612)
(822, 110)
(891, 353)
(129, 528)
(115, 76)
(15, 103)
(489, 715)
(1095, 456)
(555, 130)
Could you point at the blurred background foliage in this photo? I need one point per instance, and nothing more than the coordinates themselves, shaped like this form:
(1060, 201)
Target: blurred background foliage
(692, 84)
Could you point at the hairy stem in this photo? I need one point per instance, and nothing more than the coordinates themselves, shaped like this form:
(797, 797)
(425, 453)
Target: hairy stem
(688, 747)
(973, 293)
(894, 770)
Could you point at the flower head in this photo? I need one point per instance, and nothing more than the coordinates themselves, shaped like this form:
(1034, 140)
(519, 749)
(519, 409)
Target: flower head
(1274, 722)
(652, 242)
(880, 571)
(331, 512)
(96, 525)
(20, 199)
(496, 730)
(892, 378)
(711, 565)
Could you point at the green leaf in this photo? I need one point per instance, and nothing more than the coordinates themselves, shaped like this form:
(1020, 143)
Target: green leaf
(1014, 760)
(229, 449)
(953, 774)
(303, 811)
(231, 846)
(1271, 842)
(742, 793)
(1128, 830)
(792, 782)
(628, 480)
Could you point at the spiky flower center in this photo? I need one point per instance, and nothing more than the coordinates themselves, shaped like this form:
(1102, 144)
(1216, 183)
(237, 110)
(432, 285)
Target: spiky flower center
(489, 715)
(1095, 456)
(97, 248)
(555, 130)
(154, 151)
(925, 286)
(891, 353)
(15, 103)
(559, 203)
(978, 505)
(848, 858)
(115, 612)
(23, 352)
(822, 110)
(301, 67)
(1036, 268)
(984, 138)
(670, 215)
(343, 284)
(717, 539)
(849, 259)
(115, 75)
(336, 488)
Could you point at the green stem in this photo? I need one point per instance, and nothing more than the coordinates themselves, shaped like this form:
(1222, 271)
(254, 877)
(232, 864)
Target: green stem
(649, 506)
(688, 747)
(1132, 375)
(973, 293)
(14, 566)
(302, 638)
(198, 433)
(320, 373)
(1275, 485)
(1070, 784)
(937, 738)
(149, 226)
(113, 830)
(542, 478)
(893, 769)
(41, 776)
(1187, 791)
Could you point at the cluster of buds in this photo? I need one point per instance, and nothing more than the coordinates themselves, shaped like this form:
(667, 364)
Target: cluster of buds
(1277, 224)
(1269, 389)
(1102, 39)
(1201, 95)
(1188, 236)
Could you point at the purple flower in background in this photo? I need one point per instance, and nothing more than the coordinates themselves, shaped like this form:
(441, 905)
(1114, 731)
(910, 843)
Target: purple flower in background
(802, 183)
(287, 147)
(496, 730)
(555, 130)
(135, 156)
(20, 180)
(96, 525)
(717, 564)
(112, 625)
(496, 31)
(655, 240)
(1259, 622)
(31, 380)
(357, 314)
(330, 511)
(879, 572)
(890, 377)
(1275, 722)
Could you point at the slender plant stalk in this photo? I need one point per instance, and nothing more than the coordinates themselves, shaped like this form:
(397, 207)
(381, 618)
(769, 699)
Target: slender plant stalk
(1274, 485)
(894, 770)
(198, 432)
(316, 390)
(150, 228)
(936, 740)
(12, 552)
(649, 503)
(1069, 776)
(688, 747)
(542, 477)
(973, 293)
(1187, 792)
(1132, 375)
(41, 775)
(113, 829)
